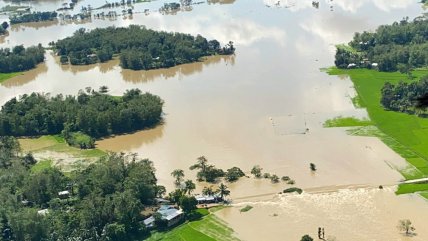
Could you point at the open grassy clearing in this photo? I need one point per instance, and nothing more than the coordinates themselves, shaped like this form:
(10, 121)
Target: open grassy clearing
(405, 134)
(56, 151)
(6, 76)
(208, 228)
(41, 165)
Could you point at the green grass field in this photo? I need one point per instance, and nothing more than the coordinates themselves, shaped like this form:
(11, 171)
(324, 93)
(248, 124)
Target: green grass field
(6, 76)
(41, 165)
(60, 154)
(347, 122)
(209, 228)
(405, 134)
(412, 188)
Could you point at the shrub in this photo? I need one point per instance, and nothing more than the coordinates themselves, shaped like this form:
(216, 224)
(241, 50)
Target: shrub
(233, 174)
(246, 208)
(293, 189)
(80, 140)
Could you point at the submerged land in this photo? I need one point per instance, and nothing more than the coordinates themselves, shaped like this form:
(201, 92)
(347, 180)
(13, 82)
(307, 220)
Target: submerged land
(329, 154)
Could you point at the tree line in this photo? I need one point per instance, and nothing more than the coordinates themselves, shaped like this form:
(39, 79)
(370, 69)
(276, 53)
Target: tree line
(20, 58)
(400, 46)
(33, 17)
(403, 96)
(103, 202)
(139, 48)
(93, 113)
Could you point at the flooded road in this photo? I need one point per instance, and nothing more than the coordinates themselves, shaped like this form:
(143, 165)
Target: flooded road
(251, 108)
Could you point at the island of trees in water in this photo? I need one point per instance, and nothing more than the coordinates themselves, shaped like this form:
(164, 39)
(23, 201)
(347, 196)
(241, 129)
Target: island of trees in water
(401, 46)
(139, 48)
(33, 17)
(82, 118)
(3, 28)
(20, 58)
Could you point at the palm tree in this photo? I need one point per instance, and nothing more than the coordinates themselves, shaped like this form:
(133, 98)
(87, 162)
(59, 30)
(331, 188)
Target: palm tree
(201, 164)
(189, 186)
(208, 191)
(178, 174)
(223, 191)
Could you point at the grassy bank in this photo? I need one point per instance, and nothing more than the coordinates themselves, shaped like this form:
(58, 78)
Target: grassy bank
(53, 150)
(209, 228)
(347, 122)
(6, 76)
(405, 134)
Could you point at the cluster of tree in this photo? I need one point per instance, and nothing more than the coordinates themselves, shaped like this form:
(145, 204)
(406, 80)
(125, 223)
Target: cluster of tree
(138, 47)
(403, 96)
(93, 113)
(170, 7)
(20, 58)
(257, 172)
(3, 28)
(209, 173)
(33, 17)
(400, 46)
(79, 139)
(104, 201)
(182, 195)
(188, 186)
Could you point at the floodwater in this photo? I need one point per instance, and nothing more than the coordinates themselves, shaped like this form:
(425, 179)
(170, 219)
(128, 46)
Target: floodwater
(251, 108)
(351, 215)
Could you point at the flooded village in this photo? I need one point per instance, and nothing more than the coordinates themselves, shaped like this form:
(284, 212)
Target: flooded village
(263, 110)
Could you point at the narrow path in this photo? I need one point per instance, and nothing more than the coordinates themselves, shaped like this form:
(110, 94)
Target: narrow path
(335, 188)
(420, 180)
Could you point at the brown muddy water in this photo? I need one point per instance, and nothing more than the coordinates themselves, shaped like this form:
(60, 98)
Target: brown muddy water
(252, 108)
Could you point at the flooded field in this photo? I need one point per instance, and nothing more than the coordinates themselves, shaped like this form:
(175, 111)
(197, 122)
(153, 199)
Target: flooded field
(251, 108)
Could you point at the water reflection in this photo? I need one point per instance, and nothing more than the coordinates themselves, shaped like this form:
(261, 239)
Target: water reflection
(179, 71)
(35, 25)
(346, 5)
(102, 67)
(130, 142)
(134, 76)
(221, 1)
(27, 77)
(3, 37)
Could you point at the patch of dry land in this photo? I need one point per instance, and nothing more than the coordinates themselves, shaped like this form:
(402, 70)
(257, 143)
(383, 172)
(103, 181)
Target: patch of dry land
(56, 150)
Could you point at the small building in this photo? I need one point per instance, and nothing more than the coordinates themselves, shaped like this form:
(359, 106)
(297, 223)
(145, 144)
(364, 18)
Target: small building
(169, 213)
(162, 201)
(64, 194)
(43, 212)
(208, 199)
(352, 65)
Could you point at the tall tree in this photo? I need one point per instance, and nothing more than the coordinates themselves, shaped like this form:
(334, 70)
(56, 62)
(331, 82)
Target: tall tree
(223, 190)
(178, 174)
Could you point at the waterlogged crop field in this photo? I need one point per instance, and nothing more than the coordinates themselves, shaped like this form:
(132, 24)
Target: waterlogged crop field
(406, 134)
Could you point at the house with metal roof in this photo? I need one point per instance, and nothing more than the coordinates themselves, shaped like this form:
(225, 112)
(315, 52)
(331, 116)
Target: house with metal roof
(168, 213)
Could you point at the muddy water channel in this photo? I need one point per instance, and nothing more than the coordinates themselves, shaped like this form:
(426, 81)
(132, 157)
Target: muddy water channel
(251, 108)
